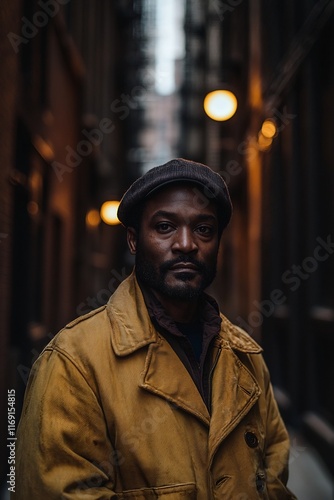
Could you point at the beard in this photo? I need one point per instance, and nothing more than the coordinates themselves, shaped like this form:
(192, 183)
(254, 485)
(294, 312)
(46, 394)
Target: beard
(156, 277)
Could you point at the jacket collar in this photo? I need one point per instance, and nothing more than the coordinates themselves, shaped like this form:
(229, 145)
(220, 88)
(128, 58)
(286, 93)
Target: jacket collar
(235, 338)
(133, 328)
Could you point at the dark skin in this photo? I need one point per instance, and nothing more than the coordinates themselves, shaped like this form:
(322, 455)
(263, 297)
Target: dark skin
(173, 227)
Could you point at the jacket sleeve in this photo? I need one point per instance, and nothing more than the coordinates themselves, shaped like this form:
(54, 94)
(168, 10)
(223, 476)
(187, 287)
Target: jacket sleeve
(63, 447)
(278, 445)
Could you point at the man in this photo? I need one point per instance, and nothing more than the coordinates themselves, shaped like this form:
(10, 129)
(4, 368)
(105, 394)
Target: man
(156, 394)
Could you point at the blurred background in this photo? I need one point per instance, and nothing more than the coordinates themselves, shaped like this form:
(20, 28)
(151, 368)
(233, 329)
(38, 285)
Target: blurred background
(93, 94)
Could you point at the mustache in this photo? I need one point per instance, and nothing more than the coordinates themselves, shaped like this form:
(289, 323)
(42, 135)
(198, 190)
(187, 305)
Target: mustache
(182, 259)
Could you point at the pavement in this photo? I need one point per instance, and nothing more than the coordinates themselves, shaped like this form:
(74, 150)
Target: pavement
(309, 478)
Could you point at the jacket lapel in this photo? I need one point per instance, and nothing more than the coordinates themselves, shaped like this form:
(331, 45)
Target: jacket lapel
(234, 392)
(166, 376)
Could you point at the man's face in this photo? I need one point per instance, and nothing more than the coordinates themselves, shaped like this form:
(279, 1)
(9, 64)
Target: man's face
(177, 244)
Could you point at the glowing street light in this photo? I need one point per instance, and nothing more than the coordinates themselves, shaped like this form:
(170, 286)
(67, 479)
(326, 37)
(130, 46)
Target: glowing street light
(269, 128)
(108, 212)
(93, 218)
(264, 142)
(220, 105)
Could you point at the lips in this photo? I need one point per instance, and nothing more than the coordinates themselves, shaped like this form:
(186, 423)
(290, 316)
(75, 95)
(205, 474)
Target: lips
(184, 266)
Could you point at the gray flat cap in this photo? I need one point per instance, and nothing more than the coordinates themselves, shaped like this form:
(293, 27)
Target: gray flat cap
(178, 170)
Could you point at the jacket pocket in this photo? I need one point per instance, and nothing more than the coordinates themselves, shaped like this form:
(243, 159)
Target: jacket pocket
(184, 491)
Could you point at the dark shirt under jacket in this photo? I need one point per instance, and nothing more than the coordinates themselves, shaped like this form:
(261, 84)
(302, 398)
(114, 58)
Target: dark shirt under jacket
(191, 341)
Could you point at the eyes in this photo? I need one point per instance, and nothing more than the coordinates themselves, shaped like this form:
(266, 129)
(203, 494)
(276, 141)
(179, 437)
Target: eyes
(164, 227)
(205, 230)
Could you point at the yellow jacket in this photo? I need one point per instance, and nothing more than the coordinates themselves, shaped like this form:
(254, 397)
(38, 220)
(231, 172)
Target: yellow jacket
(111, 412)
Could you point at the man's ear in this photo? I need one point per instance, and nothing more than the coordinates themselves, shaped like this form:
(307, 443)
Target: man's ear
(132, 237)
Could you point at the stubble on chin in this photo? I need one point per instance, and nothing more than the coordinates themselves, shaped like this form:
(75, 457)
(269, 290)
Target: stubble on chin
(183, 289)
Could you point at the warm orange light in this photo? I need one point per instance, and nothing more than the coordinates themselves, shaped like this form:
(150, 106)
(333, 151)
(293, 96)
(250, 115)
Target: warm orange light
(269, 129)
(32, 208)
(44, 148)
(108, 212)
(220, 105)
(93, 218)
(264, 142)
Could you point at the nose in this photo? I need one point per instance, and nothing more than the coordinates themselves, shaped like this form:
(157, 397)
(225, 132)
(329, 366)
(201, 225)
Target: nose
(184, 241)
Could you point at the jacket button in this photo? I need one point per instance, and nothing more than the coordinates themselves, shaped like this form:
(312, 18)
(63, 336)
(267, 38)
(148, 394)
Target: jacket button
(251, 440)
(260, 482)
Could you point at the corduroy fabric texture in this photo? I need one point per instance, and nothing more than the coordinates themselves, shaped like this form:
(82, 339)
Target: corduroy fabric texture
(212, 186)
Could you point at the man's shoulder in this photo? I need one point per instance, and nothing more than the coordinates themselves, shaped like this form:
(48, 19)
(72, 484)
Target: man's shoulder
(88, 332)
(119, 326)
(86, 319)
(237, 338)
(94, 325)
